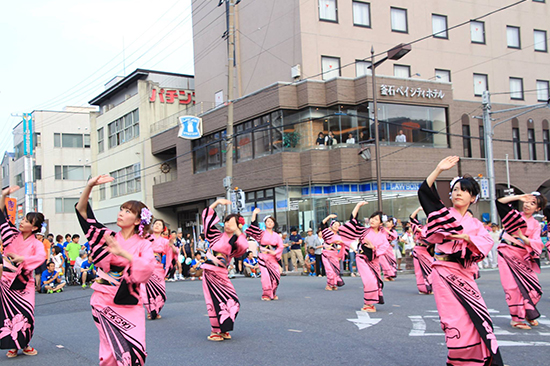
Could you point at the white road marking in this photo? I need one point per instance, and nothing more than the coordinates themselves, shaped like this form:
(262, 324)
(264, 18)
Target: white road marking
(364, 320)
(295, 330)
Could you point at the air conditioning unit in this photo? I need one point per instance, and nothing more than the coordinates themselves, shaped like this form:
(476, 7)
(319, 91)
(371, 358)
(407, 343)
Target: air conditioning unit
(296, 71)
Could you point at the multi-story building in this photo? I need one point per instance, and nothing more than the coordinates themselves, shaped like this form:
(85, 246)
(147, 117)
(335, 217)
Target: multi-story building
(302, 68)
(131, 110)
(7, 165)
(61, 164)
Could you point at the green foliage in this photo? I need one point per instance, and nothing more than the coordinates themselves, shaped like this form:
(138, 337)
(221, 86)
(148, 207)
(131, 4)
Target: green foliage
(291, 139)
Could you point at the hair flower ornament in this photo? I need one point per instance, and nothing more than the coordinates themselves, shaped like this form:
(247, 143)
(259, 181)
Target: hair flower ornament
(453, 182)
(241, 222)
(384, 218)
(146, 217)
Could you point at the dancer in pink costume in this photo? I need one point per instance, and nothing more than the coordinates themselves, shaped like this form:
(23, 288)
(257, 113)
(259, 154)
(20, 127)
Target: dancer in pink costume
(271, 249)
(334, 250)
(23, 253)
(518, 257)
(421, 257)
(124, 261)
(221, 299)
(387, 259)
(371, 241)
(153, 293)
(460, 241)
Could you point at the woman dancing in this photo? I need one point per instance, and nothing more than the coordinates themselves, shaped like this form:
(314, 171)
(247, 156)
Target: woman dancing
(271, 249)
(221, 299)
(518, 257)
(372, 240)
(124, 261)
(460, 241)
(334, 250)
(23, 253)
(153, 293)
(421, 257)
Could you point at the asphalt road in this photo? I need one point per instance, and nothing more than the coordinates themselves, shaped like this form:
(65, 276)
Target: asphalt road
(307, 326)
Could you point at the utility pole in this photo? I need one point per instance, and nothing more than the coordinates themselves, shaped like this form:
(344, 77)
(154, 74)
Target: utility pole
(490, 163)
(28, 152)
(376, 132)
(227, 182)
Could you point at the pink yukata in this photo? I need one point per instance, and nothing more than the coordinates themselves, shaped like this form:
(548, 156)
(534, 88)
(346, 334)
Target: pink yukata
(153, 293)
(519, 263)
(463, 314)
(116, 302)
(422, 259)
(17, 288)
(269, 263)
(367, 259)
(334, 250)
(387, 258)
(221, 298)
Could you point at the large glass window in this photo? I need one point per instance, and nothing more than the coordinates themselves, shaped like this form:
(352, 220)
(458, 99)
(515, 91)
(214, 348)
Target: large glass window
(361, 14)
(513, 37)
(71, 140)
(328, 10)
(243, 142)
(127, 180)
(65, 205)
(540, 40)
(477, 32)
(418, 124)
(330, 67)
(399, 20)
(123, 129)
(439, 26)
(72, 172)
(542, 90)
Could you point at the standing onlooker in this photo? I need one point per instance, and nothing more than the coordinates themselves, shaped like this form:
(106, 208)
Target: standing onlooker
(401, 137)
(202, 245)
(320, 139)
(286, 251)
(330, 139)
(296, 254)
(408, 240)
(312, 241)
(319, 267)
(351, 139)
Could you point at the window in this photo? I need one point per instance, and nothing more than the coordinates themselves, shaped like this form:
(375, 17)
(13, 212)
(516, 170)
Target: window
(439, 26)
(482, 141)
(123, 129)
(102, 193)
(56, 140)
(512, 37)
(87, 140)
(531, 142)
(542, 90)
(516, 88)
(37, 139)
(399, 20)
(443, 75)
(330, 67)
(540, 40)
(361, 14)
(466, 141)
(546, 144)
(243, 142)
(100, 140)
(127, 180)
(480, 84)
(19, 180)
(328, 10)
(477, 32)
(65, 205)
(37, 172)
(402, 71)
(71, 140)
(362, 68)
(516, 143)
(19, 150)
(72, 172)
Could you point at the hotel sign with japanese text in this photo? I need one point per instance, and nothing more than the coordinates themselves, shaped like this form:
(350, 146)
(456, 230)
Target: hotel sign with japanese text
(171, 96)
(411, 92)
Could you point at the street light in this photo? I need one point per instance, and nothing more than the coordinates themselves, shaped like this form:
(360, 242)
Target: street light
(394, 54)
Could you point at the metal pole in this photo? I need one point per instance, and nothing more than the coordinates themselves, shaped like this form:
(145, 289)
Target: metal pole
(488, 128)
(376, 132)
(507, 172)
(229, 135)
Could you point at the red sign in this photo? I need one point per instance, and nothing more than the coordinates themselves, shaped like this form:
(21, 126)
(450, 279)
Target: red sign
(170, 96)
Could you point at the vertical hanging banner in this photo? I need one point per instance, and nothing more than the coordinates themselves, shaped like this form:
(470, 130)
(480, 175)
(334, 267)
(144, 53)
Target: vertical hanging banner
(11, 208)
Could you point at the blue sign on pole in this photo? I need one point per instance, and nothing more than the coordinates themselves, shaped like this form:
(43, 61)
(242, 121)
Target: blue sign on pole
(29, 189)
(190, 127)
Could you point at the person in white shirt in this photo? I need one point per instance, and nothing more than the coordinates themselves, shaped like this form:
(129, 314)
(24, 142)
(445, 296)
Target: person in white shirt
(408, 240)
(401, 137)
(351, 139)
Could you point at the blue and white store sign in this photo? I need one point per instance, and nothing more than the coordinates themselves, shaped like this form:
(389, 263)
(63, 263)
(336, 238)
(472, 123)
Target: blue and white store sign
(190, 127)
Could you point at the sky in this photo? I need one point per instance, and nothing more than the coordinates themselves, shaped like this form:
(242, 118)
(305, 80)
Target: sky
(57, 53)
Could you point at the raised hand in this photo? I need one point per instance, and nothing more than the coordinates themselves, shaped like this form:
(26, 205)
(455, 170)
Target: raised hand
(256, 211)
(448, 163)
(100, 179)
(9, 190)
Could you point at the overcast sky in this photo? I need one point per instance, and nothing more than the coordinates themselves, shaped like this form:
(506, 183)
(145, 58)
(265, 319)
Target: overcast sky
(56, 53)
